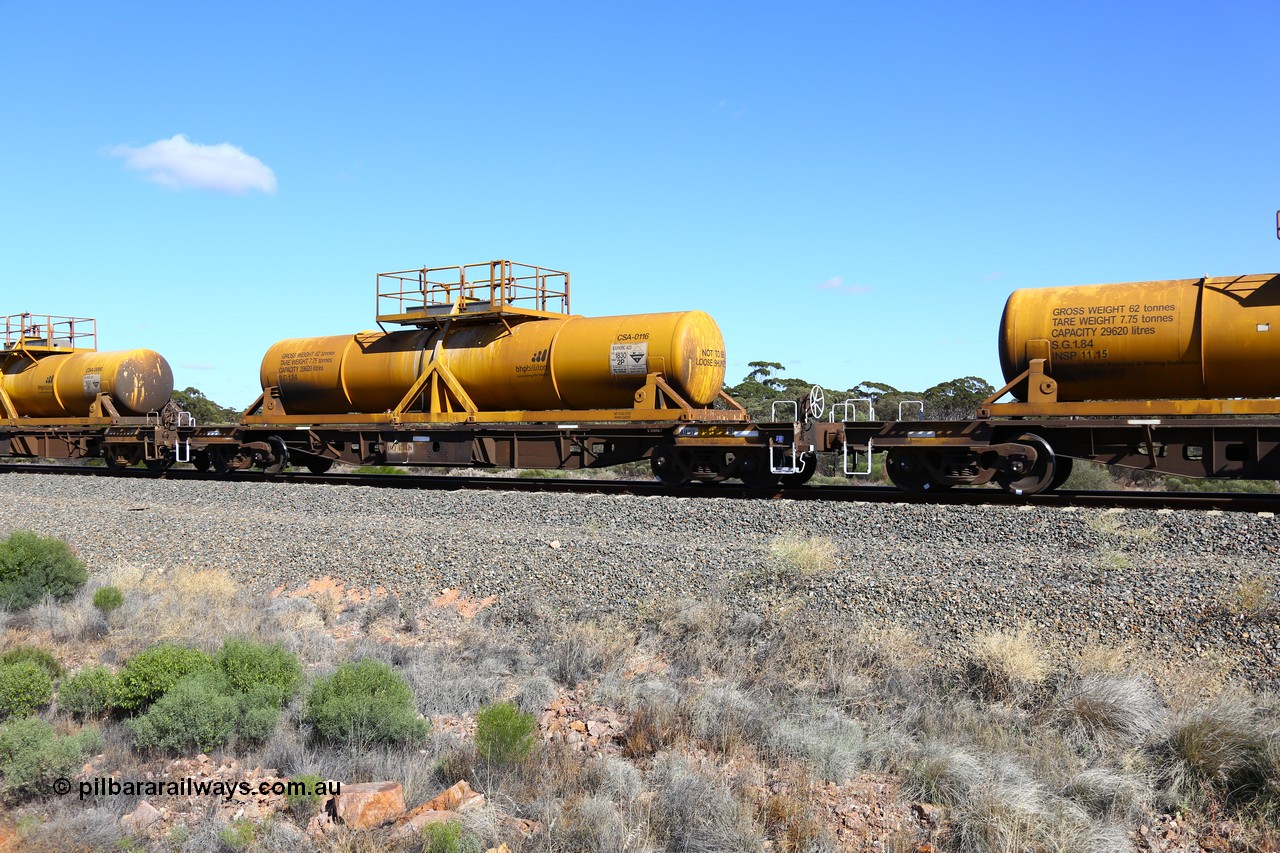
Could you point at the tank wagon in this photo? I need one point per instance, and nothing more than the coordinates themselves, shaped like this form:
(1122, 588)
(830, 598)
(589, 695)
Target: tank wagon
(1171, 376)
(62, 398)
(485, 365)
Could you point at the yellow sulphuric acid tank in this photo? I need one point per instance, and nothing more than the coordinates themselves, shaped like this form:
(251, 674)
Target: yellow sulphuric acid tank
(65, 385)
(560, 363)
(1204, 338)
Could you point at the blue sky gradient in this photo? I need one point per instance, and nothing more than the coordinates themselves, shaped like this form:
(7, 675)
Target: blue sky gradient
(850, 189)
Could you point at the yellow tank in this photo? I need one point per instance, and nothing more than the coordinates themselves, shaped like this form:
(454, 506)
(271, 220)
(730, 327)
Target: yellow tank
(1207, 338)
(570, 363)
(65, 385)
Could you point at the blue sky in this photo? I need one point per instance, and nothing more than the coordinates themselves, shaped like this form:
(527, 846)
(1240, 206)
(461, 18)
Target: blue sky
(849, 189)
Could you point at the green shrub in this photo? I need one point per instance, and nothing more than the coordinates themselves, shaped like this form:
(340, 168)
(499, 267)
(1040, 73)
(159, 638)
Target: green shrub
(251, 666)
(205, 708)
(88, 692)
(504, 734)
(238, 835)
(147, 675)
(304, 794)
(32, 756)
(108, 599)
(364, 702)
(44, 659)
(24, 687)
(33, 566)
(259, 712)
(198, 712)
(447, 838)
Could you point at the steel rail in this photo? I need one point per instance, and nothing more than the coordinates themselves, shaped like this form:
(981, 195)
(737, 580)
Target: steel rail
(1221, 501)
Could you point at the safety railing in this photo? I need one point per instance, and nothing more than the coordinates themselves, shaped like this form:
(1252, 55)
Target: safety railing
(846, 412)
(48, 331)
(493, 286)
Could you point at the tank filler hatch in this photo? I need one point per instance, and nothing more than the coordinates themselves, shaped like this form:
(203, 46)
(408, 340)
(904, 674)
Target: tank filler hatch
(488, 291)
(42, 334)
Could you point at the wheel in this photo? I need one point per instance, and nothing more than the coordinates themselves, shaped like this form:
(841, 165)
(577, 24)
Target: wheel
(817, 403)
(754, 472)
(218, 459)
(119, 459)
(157, 466)
(279, 456)
(1034, 479)
(666, 466)
(907, 471)
(318, 465)
(200, 460)
(1065, 464)
(808, 467)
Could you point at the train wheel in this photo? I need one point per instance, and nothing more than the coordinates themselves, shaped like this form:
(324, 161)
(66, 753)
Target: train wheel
(279, 457)
(118, 460)
(808, 467)
(218, 460)
(318, 465)
(907, 471)
(1065, 464)
(667, 467)
(157, 466)
(754, 472)
(200, 460)
(1034, 479)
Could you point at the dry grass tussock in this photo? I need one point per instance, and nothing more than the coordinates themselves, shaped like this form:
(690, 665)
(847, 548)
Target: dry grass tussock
(1003, 665)
(1119, 709)
(791, 560)
(1254, 597)
(1110, 526)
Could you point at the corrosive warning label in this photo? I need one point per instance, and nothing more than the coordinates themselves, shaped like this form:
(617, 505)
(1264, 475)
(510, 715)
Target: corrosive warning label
(92, 384)
(627, 359)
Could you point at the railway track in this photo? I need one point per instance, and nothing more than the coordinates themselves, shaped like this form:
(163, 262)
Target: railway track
(1221, 501)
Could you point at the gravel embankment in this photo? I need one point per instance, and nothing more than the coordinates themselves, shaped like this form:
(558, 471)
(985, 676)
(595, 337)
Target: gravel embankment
(1161, 581)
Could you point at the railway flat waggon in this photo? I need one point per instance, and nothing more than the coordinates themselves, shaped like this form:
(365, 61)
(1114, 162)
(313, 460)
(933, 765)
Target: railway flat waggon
(1172, 376)
(488, 367)
(61, 398)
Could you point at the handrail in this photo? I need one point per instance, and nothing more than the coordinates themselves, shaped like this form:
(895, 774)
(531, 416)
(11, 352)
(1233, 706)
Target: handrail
(489, 286)
(49, 331)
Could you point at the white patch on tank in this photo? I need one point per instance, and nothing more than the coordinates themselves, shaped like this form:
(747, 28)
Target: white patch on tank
(629, 359)
(92, 384)
(1264, 327)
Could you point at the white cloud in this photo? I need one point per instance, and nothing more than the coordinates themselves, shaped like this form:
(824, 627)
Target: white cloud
(837, 284)
(181, 164)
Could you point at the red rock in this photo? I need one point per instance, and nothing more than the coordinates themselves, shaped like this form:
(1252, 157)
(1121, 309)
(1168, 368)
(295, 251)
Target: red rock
(369, 804)
(140, 818)
(441, 808)
(458, 798)
(320, 824)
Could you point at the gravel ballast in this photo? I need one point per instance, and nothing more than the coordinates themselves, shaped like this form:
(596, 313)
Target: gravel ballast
(1165, 583)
